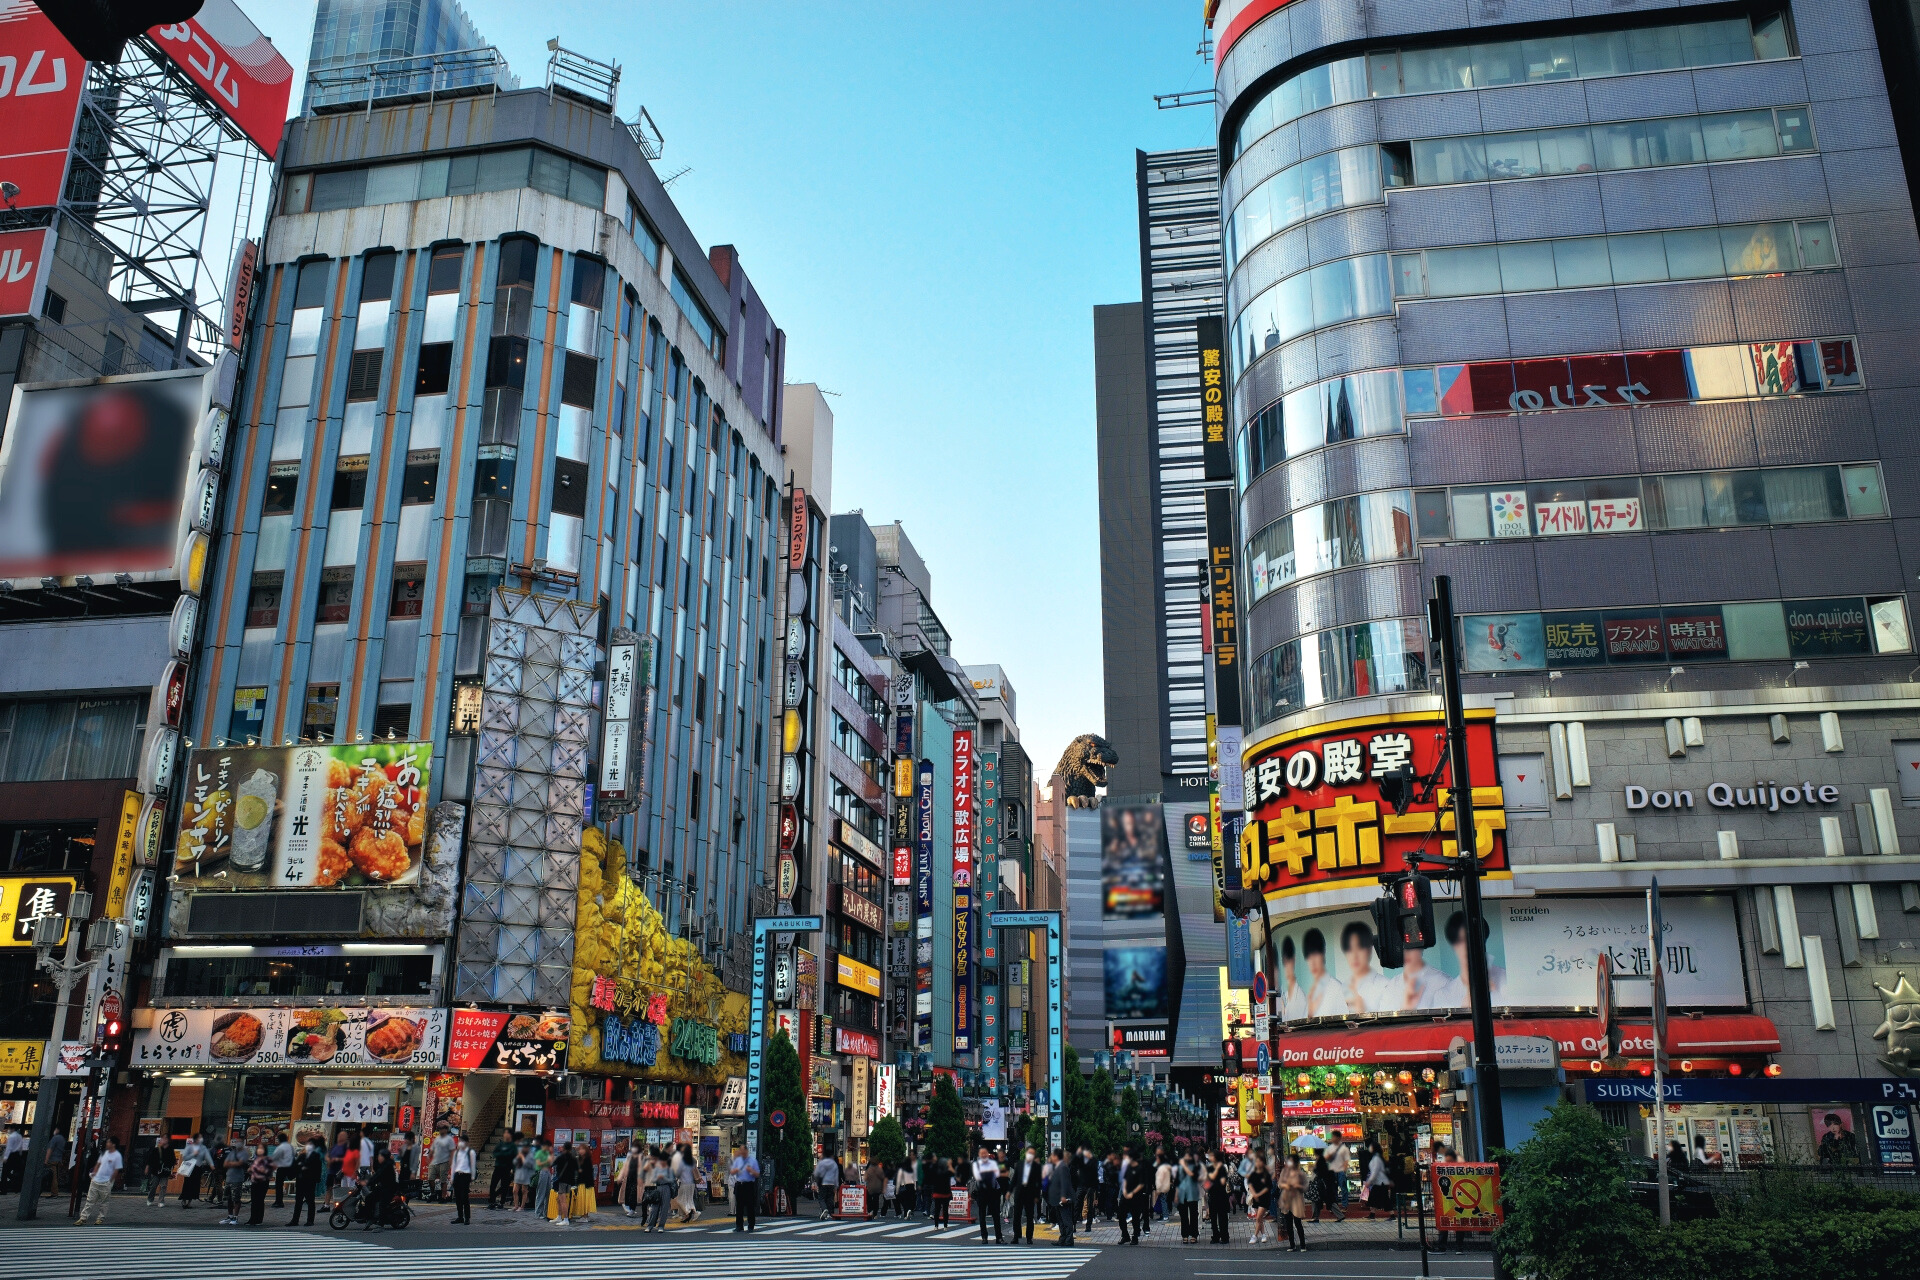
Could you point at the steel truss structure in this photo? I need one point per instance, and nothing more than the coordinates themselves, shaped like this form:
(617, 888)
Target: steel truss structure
(145, 154)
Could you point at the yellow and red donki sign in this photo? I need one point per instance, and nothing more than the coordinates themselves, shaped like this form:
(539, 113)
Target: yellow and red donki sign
(1315, 816)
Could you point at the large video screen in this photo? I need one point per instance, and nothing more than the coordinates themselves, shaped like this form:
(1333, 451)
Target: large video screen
(1133, 860)
(94, 478)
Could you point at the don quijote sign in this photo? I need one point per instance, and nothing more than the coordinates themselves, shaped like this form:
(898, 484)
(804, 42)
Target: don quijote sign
(1768, 797)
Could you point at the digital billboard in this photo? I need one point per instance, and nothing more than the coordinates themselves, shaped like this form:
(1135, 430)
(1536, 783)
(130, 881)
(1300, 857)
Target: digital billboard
(95, 477)
(1133, 859)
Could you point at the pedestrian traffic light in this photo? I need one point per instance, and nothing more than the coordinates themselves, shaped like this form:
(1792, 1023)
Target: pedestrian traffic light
(1386, 932)
(99, 29)
(113, 1034)
(1414, 893)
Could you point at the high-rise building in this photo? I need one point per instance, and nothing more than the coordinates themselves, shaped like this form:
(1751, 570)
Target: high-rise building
(1153, 485)
(1602, 316)
(398, 46)
(499, 572)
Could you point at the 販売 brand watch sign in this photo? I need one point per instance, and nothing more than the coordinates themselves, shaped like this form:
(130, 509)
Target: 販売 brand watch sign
(1768, 796)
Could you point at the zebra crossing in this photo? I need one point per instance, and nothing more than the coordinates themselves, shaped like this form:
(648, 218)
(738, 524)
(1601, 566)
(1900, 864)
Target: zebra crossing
(779, 1251)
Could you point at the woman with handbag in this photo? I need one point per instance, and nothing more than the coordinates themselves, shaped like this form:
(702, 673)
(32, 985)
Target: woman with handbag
(192, 1166)
(1323, 1192)
(1293, 1203)
(1379, 1186)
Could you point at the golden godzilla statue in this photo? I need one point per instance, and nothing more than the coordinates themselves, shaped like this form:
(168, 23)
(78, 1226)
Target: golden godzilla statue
(1084, 766)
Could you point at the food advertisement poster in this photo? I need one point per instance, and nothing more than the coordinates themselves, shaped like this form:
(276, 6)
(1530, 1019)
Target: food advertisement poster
(491, 1040)
(293, 1038)
(348, 815)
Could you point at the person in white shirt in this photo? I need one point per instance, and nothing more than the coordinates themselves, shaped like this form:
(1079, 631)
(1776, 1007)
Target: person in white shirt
(1456, 932)
(282, 1157)
(1326, 997)
(1420, 983)
(1368, 989)
(106, 1171)
(827, 1174)
(1339, 1159)
(462, 1165)
(1293, 996)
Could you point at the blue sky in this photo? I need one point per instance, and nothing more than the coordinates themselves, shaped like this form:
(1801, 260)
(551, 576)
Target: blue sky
(932, 198)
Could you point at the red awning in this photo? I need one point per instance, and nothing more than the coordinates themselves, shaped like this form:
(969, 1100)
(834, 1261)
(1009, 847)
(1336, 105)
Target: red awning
(1713, 1035)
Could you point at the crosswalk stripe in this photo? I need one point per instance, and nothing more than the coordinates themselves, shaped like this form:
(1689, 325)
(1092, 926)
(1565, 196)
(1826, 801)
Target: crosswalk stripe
(136, 1253)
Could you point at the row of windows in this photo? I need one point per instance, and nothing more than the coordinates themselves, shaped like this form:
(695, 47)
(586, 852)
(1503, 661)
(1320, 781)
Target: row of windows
(1632, 504)
(1355, 176)
(1587, 262)
(1355, 288)
(1387, 73)
(1360, 661)
(71, 739)
(320, 712)
(1764, 630)
(459, 175)
(850, 678)
(1373, 528)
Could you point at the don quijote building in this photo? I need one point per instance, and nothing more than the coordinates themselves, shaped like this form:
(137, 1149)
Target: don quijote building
(1602, 315)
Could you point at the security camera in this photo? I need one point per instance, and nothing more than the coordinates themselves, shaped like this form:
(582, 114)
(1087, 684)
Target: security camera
(9, 192)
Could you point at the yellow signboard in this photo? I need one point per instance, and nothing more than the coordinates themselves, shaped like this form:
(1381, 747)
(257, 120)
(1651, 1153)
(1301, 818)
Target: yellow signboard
(860, 977)
(123, 843)
(25, 899)
(20, 1057)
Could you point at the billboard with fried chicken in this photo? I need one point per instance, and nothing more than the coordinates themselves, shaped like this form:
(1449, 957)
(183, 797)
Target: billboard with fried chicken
(328, 816)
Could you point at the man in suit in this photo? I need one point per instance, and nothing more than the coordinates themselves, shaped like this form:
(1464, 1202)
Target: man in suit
(1062, 1197)
(1027, 1180)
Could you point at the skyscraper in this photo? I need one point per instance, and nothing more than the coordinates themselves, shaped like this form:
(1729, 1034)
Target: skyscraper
(351, 36)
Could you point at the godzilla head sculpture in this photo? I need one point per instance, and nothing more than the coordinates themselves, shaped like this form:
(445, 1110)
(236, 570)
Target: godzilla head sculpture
(1084, 766)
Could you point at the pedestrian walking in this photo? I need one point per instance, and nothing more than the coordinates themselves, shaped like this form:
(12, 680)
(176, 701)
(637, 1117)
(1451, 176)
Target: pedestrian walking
(259, 1178)
(542, 1175)
(13, 1165)
(940, 1191)
(1186, 1197)
(1379, 1185)
(234, 1164)
(660, 1188)
(905, 1191)
(56, 1160)
(439, 1163)
(1060, 1197)
(309, 1171)
(826, 1181)
(1293, 1203)
(1086, 1177)
(462, 1172)
(1029, 1182)
(1339, 1158)
(1323, 1190)
(985, 1188)
(1162, 1187)
(1219, 1203)
(745, 1174)
(107, 1170)
(565, 1169)
(876, 1189)
(500, 1184)
(687, 1205)
(1259, 1198)
(1135, 1183)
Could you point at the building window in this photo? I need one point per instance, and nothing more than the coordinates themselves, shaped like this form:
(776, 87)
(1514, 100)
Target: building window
(54, 308)
(247, 721)
(434, 371)
(350, 484)
(393, 719)
(263, 600)
(421, 479)
(409, 591)
(336, 597)
(283, 483)
(71, 739)
(46, 847)
(321, 713)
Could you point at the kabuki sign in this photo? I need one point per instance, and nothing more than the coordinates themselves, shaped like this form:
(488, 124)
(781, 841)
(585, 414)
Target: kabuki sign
(1315, 816)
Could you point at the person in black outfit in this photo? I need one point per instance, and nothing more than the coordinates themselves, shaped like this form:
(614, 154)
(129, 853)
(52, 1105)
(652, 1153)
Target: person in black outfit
(382, 1185)
(1086, 1183)
(1027, 1181)
(940, 1192)
(309, 1167)
(1218, 1205)
(1135, 1183)
(1061, 1197)
(986, 1184)
(566, 1173)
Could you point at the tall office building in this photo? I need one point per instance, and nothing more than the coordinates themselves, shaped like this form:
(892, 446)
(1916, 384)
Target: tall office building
(499, 570)
(1152, 485)
(395, 40)
(1605, 317)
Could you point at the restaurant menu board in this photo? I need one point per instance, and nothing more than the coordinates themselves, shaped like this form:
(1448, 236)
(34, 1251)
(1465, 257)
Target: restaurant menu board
(490, 1040)
(325, 1038)
(346, 815)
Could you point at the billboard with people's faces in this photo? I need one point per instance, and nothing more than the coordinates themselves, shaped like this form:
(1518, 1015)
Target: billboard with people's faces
(1541, 953)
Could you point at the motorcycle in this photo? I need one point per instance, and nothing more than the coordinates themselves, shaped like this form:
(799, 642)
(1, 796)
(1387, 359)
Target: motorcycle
(355, 1208)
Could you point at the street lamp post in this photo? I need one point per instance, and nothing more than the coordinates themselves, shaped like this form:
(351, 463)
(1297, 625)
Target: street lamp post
(67, 973)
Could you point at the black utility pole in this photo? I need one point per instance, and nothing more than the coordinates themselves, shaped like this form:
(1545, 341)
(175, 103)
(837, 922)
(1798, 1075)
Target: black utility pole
(1486, 1067)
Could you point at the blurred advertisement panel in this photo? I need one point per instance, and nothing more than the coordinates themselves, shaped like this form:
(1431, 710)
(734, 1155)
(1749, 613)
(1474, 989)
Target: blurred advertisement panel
(1133, 860)
(93, 478)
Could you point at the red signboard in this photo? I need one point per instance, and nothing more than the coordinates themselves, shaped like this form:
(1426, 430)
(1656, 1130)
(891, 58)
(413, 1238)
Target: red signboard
(235, 66)
(903, 866)
(858, 1042)
(40, 81)
(1317, 818)
(962, 808)
(25, 258)
(1712, 1035)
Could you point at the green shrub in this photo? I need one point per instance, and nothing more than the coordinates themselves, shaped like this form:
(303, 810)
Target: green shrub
(1856, 1245)
(1568, 1215)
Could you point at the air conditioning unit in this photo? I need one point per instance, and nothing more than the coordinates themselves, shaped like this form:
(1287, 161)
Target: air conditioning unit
(574, 1086)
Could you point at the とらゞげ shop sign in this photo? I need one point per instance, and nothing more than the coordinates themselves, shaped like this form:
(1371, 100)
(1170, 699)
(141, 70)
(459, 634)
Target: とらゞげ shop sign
(1316, 818)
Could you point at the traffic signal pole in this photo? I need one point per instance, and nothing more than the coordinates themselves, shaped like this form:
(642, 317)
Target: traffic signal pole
(1490, 1129)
